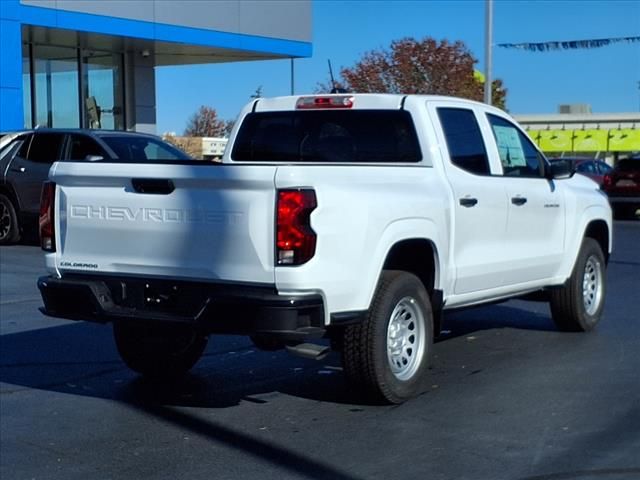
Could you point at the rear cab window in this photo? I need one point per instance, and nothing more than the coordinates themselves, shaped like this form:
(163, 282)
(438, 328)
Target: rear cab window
(338, 136)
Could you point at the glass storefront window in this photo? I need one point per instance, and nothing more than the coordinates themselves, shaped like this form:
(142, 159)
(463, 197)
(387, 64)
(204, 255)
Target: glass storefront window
(103, 85)
(53, 78)
(56, 86)
(26, 86)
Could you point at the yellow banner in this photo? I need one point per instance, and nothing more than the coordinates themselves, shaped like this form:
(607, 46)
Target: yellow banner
(534, 135)
(556, 140)
(624, 140)
(591, 140)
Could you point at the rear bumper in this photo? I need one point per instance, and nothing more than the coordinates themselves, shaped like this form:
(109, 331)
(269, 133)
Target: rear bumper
(214, 308)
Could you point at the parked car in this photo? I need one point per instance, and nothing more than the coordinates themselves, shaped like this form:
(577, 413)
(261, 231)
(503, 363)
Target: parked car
(589, 167)
(622, 185)
(27, 156)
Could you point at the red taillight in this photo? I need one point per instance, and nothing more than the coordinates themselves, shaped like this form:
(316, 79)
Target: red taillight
(295, 240)
(308, 103)
(47, 209)
(607, 181)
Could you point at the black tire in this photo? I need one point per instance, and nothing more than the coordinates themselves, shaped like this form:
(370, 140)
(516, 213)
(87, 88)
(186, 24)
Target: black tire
(368, 354)
(9, 227)
(159, 352)
(577, 307)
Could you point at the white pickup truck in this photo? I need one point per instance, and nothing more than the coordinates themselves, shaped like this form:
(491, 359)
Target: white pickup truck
(356, 218)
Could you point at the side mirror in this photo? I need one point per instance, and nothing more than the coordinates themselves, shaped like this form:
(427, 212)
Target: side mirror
(93, 158)
(559, 170)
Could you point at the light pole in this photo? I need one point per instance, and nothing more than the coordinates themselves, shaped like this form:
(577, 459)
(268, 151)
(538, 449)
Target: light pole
(488, 51)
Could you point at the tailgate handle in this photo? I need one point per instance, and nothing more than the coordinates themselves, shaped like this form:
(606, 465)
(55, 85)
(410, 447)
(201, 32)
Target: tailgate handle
(156, 186)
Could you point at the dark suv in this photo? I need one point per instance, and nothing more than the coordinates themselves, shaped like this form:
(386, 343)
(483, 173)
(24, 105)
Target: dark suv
(26, 157)
(622, 186)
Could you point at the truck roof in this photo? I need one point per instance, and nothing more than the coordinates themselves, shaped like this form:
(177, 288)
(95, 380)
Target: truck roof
(360, 101)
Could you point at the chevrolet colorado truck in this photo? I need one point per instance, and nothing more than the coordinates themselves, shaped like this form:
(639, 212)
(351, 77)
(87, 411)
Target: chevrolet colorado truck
(358, 218)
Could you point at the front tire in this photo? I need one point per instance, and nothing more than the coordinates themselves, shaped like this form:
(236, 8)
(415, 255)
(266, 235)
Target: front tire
(577, 307)
(159, 352)
(9, 228)
(387, 355)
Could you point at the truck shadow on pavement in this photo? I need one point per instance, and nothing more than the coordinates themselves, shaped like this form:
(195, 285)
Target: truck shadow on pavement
(81, 359)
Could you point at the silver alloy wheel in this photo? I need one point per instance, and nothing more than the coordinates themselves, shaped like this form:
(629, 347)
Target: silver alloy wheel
(5, 221)
(592, 285)
(405, 338)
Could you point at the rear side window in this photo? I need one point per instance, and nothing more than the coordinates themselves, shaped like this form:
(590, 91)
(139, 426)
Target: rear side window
(358, 136)
(628, 165)
(45, 147)
(134, 149)
(464, 140)
(82, 147)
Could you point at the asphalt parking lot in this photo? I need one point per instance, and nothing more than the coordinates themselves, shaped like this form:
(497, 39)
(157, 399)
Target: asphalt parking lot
(511, 398)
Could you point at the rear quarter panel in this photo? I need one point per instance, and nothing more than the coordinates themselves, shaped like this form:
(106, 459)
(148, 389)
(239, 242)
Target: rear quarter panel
(362, 212)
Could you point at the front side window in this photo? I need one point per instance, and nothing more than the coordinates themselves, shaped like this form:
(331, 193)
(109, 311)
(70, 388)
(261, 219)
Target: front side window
(518, 156)
(464, 140)
(10, 149)
(354, 136)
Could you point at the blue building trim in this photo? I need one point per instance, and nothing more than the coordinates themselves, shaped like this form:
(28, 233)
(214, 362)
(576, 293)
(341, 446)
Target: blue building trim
(14, 14)
(87, 22)
(11, 110)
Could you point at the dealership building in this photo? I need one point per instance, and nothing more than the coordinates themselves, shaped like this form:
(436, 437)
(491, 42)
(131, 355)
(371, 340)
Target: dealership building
(91, 63)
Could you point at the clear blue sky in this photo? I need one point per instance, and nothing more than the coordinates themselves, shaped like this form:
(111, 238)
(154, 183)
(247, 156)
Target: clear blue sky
(537, 82)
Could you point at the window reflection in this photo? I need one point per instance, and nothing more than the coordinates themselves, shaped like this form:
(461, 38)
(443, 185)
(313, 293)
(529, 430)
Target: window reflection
(65, 89)
(56, 85)
(26, 86)
(103, 90)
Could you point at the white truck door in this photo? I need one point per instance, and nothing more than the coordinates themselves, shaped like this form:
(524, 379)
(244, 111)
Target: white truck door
(480, 212)
(534, 238)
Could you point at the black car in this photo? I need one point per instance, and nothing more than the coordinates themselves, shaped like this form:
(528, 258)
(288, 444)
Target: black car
(26, 157)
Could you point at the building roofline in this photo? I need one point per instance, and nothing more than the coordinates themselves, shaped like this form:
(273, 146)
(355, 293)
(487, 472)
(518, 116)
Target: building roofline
(160, 32)
(578, 117)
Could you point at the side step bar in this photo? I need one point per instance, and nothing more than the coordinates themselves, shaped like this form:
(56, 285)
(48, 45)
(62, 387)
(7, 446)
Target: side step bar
(309, 350)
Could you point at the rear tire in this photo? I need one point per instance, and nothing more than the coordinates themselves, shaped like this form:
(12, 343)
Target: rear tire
(9, 227)
(387, 355)
(577, 307)
(160, 352)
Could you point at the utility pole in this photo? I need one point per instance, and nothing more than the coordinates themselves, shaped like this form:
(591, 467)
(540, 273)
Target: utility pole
(488, 50)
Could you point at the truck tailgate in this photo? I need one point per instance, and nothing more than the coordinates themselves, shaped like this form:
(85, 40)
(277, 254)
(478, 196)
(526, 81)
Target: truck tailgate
(199, 222)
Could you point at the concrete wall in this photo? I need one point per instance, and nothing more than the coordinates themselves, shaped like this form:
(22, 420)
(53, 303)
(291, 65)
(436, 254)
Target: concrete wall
(140, 93)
